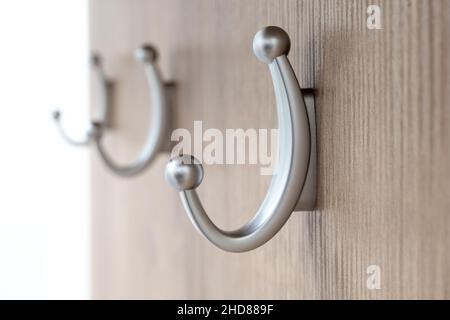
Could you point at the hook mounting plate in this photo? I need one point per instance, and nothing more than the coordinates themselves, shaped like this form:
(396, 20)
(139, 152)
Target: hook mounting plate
(307, 200)
(169, 88)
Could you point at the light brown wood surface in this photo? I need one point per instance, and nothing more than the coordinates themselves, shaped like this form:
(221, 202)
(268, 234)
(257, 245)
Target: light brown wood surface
(383, 107)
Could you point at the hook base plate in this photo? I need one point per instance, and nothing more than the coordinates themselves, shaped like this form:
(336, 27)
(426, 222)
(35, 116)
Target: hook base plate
(307, 200)
(170, 92)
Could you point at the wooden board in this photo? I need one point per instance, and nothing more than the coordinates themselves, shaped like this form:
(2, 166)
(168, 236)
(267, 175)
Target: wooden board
(383, 108)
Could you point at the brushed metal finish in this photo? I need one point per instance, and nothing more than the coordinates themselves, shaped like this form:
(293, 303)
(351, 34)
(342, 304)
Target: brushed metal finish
(184, 172)
(159, 120)
(294, 147)
(270, 43)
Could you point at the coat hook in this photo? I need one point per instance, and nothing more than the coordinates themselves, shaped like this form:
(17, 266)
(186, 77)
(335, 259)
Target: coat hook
(159, 122)
(293, 185)
(95, 125)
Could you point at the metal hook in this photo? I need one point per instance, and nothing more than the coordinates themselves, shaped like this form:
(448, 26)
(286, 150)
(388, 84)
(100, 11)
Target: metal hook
(96, 126)
(82, 142)
(159, 121)
(293, 186)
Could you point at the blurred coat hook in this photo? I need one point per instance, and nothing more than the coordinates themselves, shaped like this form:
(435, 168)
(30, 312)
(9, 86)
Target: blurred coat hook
(159, 122)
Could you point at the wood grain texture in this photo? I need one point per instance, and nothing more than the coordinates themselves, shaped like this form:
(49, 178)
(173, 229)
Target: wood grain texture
(383, 107)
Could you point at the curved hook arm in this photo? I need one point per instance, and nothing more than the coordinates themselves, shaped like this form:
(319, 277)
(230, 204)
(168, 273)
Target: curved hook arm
(185, 173)
(96, 127)
(158, 121)
(81, 142)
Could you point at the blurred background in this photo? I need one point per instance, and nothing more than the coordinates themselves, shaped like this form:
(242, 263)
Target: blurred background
(44, 183)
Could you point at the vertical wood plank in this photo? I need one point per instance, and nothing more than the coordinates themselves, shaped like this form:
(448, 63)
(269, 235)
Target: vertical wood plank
(383, 107)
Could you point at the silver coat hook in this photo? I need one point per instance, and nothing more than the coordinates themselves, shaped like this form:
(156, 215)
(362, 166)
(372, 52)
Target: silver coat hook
(96, 125)
(81, 142)
(159, 122)
(293, 185)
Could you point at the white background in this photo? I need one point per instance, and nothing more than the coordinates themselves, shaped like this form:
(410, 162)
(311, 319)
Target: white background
(44, 183)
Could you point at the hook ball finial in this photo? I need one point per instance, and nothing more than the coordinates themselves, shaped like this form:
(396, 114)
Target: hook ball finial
(184, 172)
(96, 60)
(56, 115)
(270, 43)
(146, 53)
